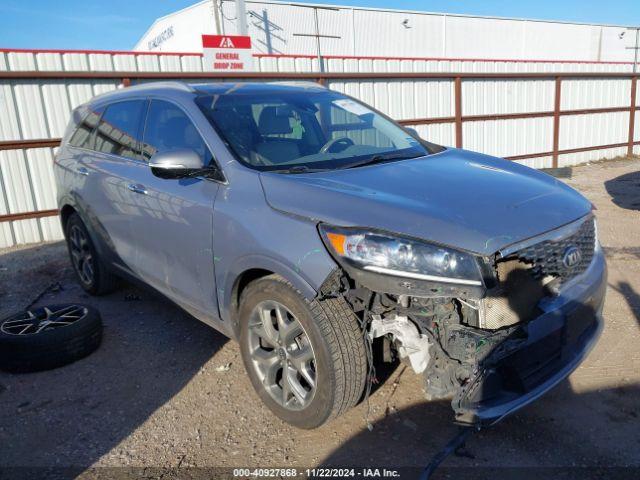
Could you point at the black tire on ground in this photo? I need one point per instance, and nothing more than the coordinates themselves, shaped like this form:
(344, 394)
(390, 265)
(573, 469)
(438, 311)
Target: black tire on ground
(337, 343)
(102, 280)
(73, 332)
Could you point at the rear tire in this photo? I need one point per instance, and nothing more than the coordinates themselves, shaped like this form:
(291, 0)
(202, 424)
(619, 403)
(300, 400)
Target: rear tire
(332, 381)
(91, 272)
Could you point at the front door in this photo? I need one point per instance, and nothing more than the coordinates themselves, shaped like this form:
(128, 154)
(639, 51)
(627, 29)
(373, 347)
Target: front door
(174, 230)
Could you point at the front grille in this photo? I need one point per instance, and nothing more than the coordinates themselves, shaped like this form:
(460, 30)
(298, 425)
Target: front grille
(547, 258)
(533, 272)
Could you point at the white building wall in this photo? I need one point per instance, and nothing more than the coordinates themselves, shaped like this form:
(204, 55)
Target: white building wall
(377, 32)
(181, 31)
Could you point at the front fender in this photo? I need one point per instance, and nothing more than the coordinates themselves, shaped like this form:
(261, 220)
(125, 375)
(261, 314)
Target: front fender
(250, 262)
(248, 234)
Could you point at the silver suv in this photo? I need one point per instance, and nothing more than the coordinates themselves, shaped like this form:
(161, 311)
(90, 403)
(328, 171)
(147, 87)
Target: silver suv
(324, 237)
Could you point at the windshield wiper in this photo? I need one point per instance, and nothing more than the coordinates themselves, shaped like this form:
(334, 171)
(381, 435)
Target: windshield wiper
(369, 161)
(297, 169)
(381, 159)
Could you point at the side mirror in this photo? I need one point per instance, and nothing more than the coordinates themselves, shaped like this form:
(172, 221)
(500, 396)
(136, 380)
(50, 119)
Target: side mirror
(175, 163)
(414, 133)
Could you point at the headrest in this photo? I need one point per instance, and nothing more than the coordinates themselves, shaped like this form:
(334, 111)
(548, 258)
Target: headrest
(273, 121)
(172, 132)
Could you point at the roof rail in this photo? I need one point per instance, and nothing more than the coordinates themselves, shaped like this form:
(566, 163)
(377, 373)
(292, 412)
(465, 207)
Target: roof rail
(299, 83)
(179, 84)
(146, 86)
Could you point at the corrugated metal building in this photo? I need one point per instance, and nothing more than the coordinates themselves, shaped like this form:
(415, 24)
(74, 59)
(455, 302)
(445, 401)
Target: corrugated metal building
(585, 114)
(367, 32)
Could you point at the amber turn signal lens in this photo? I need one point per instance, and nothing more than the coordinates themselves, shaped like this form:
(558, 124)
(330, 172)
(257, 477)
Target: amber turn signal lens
(337, 242)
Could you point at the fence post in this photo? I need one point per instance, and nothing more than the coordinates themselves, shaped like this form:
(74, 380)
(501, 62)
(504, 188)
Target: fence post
(556, 122)
(632, 115)
(458, 110)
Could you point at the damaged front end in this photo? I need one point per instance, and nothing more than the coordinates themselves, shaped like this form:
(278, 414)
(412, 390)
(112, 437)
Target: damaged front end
(492, 345)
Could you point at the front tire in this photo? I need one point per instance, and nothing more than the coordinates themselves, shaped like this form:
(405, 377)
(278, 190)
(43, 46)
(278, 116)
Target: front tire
(306, 359)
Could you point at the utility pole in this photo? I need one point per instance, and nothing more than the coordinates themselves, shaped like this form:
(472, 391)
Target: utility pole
(241, 18)
(216, 17)
(636, 48)
(317, 35)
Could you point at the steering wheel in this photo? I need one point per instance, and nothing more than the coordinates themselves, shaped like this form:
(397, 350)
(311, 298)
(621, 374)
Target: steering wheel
(328, 147)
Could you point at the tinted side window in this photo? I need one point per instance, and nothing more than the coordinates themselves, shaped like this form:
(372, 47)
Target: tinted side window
(82, 136)
(119, 130)
(168, 128)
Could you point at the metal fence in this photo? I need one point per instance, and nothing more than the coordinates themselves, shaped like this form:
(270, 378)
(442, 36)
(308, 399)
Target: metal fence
(541, 118)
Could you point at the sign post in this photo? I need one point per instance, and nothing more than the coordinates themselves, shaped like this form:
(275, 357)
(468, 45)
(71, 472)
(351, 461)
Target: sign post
(223, 53)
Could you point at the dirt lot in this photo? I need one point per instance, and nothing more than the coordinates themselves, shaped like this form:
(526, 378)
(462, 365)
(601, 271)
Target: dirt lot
(154, 396)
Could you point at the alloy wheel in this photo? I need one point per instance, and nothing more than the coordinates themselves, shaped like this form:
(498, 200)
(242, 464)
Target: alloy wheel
(81, 254)
(43, 319)
(282, 355)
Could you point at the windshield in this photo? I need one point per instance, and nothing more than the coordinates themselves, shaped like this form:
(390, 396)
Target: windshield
(298, 131)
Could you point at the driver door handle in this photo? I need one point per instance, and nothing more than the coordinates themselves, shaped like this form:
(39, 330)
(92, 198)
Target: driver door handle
(137, 188)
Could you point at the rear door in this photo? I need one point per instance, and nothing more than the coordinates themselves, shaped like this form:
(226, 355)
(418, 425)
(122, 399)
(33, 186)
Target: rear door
(173, 232)
(109, 156)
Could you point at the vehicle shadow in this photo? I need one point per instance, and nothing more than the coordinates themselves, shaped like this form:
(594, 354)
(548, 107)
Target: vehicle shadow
(72, 416)
(631, 297)
(524, 445)
(625, 190)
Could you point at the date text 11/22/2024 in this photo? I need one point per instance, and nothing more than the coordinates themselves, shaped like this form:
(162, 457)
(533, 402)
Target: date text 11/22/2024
(316, 472)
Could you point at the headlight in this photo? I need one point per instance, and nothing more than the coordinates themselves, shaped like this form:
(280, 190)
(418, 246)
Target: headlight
(402, 257)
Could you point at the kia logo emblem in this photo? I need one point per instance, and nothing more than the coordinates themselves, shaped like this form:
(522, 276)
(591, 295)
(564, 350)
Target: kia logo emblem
(571, 257)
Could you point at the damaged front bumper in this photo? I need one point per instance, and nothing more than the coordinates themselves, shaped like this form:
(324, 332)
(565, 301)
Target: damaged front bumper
(540, 354)
(495, 347)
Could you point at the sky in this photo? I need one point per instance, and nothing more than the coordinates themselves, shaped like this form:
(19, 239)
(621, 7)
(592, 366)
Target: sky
(118, 24)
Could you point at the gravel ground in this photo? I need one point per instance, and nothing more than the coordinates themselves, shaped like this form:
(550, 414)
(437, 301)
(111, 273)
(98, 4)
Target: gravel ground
(165, 390)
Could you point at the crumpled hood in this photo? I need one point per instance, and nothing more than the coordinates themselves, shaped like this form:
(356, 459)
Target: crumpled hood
(458, 198)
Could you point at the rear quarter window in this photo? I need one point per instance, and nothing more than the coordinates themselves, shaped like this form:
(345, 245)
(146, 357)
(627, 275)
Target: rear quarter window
(82, 136)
